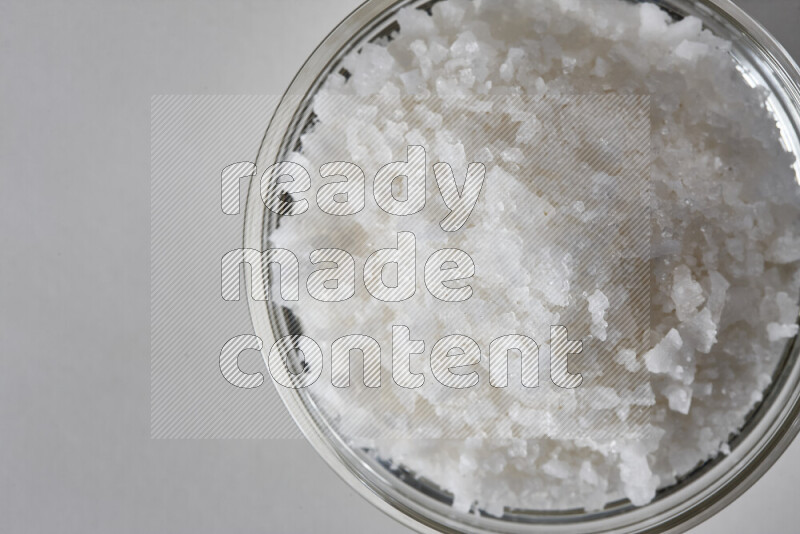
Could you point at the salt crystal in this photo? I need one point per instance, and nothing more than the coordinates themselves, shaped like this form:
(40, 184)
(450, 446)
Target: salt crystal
(777, 331)
(687, 294)
(598, 304)
(679, 397)
(691, 51)
(627, 358)
(639, 482)
(785, 249)
(788, 308)
(512, 155)
(662, 358)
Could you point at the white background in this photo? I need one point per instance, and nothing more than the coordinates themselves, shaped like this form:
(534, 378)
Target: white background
(75, 452)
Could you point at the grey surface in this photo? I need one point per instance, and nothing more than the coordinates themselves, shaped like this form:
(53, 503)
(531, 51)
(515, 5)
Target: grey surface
(75, 451)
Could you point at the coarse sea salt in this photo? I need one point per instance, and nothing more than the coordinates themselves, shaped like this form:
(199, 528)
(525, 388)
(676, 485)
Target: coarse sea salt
(724, 221)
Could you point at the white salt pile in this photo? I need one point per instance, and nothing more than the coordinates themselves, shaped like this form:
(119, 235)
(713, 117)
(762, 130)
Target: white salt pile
(724, 221)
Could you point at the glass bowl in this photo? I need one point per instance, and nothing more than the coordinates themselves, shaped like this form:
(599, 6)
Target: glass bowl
(420, 504)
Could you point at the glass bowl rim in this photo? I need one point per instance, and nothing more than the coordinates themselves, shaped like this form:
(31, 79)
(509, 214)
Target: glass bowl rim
(762, 444)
